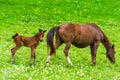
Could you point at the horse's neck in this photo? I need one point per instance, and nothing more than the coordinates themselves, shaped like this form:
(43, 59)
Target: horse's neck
(106, 43)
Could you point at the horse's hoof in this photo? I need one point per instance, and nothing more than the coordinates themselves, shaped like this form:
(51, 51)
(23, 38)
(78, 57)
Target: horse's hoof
(30, 64)
(34, 64)
(70, 64)
(47, 63)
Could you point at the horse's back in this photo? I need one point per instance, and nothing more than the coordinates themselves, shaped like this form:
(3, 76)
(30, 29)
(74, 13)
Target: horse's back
(80, 35)
(67, 31)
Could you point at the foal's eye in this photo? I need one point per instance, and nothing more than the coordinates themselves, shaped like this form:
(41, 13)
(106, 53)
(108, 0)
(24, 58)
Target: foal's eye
(114, 50)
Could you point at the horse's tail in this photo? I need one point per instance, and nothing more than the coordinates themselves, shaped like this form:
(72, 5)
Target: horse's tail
(15, 35)
(50, 38)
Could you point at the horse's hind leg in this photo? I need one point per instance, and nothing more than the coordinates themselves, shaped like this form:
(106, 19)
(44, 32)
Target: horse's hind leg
(51, 53)
(57, 44)
(13, 50)
(67, 47)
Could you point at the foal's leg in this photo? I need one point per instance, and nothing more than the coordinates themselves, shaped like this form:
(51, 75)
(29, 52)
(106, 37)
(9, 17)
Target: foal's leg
(33, 55)
(67, 47)
(94, 48)
(13, 50)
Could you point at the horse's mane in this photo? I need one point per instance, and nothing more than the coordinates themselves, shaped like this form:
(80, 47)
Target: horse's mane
(98, 28)
(105, 40)
(95, 26)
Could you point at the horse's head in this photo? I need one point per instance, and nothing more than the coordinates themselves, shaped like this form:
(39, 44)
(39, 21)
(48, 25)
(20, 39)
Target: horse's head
(111, 54)
(41, 34)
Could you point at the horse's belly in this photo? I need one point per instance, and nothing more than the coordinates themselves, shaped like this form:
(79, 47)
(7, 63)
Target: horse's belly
(81, 45)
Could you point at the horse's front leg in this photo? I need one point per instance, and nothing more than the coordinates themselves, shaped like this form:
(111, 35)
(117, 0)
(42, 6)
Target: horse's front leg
(13, 50)
(67, 47)
(94, 48)
(33, 55)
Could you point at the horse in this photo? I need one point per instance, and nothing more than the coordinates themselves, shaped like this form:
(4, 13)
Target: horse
(31, 42)
(81, 36)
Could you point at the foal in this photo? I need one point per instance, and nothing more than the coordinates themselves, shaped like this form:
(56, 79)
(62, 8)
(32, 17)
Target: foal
(31, 42)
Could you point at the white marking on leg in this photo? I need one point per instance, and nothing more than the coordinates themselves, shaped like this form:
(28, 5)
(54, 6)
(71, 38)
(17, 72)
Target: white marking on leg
(69, 61)
(48, 59)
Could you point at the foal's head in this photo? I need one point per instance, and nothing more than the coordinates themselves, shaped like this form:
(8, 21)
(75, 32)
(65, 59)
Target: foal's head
(111, 54)
(40, 34)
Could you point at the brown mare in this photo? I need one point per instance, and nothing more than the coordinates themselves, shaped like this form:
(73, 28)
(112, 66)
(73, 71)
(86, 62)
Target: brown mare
(31, 42)
(79, 35)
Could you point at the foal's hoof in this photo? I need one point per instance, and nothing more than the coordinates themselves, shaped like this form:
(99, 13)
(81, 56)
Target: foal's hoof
(94, 64)
(13, 62)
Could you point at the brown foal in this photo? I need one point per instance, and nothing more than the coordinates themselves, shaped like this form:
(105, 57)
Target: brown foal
(31, 42)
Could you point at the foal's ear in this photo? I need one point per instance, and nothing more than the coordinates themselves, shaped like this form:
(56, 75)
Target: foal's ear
(113, 46)
(40, 30)
(44, 30)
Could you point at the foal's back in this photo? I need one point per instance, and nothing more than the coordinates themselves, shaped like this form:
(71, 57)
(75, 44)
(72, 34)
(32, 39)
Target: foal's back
(25, 41)
(80, 35)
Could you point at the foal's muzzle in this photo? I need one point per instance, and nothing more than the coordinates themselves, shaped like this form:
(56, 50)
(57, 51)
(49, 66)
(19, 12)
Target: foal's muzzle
(41, 40)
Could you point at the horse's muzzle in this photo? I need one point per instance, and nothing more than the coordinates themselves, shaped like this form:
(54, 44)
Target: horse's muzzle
(113, 62)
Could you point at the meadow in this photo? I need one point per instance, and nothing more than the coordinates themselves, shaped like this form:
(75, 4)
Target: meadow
(27, 16)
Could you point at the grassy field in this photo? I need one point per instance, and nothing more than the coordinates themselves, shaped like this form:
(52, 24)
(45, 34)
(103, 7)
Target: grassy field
(27, 16)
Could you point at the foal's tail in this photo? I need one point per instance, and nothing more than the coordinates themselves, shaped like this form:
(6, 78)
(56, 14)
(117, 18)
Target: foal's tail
(50, 37)
(15, 35)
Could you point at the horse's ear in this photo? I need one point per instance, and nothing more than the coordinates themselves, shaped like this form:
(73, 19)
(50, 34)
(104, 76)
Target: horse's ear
(40, 30)
(44, 30)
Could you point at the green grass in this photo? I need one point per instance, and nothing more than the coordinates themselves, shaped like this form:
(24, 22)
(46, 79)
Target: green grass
(27, 16)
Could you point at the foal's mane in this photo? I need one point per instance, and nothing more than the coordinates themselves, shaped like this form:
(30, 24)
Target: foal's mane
(37, 34)
(15, 35)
